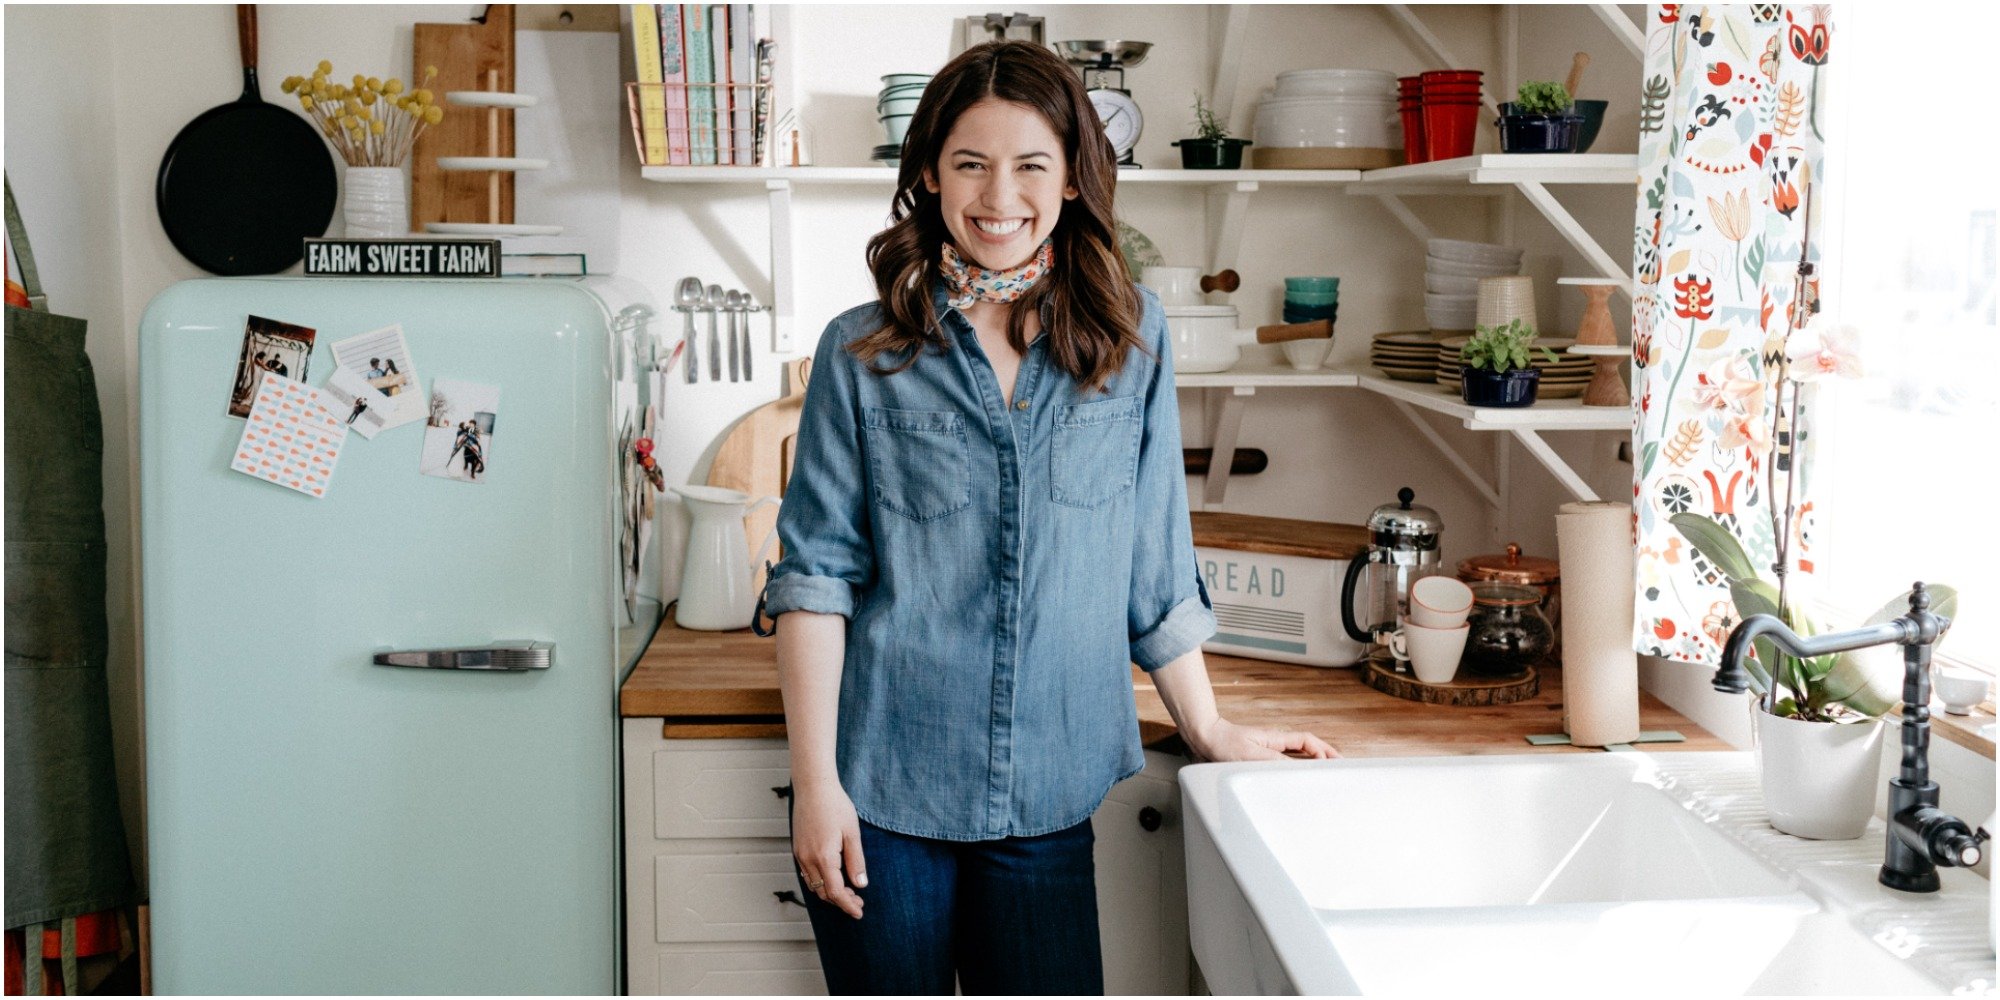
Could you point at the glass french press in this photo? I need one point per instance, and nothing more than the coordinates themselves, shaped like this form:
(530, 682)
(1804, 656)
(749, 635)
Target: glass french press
(1402, 549)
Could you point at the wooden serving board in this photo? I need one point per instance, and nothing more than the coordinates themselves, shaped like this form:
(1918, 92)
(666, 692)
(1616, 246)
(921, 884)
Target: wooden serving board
(755, 457)
(469, 56)
(1461, 691)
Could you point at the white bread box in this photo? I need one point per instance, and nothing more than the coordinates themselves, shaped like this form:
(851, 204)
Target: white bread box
(1275, 584)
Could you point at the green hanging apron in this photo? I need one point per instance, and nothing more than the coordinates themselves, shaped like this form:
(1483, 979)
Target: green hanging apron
(65, 840)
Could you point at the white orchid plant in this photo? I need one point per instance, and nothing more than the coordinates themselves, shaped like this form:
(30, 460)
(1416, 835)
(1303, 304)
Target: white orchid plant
(1857, 686)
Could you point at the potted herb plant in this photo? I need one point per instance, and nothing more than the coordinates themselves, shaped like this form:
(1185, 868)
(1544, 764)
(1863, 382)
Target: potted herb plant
(1541, 119)
(1212, 148)
(1494, 368)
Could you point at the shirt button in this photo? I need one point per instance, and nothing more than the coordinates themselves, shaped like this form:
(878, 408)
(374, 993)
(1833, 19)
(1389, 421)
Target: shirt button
(1021, 405)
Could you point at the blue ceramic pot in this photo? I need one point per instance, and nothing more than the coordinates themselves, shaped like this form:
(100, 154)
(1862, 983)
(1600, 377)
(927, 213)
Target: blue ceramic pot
(1485, 387)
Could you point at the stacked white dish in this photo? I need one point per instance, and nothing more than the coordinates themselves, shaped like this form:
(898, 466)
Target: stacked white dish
(1452, 270)
(1329, 108)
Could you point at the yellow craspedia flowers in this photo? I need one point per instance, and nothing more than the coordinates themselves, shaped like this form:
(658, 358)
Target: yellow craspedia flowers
(356, 116)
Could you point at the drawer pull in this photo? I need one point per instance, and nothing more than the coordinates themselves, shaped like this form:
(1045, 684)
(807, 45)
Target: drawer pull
(788, 896)
(1150, 819)
(782, 791)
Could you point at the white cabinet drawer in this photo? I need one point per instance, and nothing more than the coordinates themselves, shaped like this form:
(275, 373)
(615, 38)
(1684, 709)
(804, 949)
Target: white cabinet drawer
(727, 897)
(721, 792)
(740, 970)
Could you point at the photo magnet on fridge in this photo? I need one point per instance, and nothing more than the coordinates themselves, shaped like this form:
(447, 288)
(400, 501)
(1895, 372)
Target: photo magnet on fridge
(458, 434)
(382, 358)
(356, 404)
(268, 346)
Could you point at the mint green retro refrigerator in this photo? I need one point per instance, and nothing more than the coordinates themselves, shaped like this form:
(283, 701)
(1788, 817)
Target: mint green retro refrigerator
(380, 721)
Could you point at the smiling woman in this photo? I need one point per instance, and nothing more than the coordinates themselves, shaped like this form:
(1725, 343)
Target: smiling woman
(982, 537)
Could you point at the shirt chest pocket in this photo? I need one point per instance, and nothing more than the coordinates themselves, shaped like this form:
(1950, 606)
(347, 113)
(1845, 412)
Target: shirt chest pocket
(1094, 454)
(918, 461)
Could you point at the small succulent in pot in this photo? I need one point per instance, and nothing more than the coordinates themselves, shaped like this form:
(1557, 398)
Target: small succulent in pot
(1496, 366)
(1212, 148)
(1541, 119)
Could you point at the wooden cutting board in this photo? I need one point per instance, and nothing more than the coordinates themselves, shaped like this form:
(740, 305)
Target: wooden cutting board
(469, 56)
(756, 457)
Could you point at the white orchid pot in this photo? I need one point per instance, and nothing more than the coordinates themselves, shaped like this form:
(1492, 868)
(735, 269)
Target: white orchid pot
(377, 202)
(1820, 778)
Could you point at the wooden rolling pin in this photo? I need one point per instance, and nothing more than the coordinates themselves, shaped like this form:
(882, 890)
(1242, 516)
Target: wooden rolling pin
(1246, 461)
(1576, 68)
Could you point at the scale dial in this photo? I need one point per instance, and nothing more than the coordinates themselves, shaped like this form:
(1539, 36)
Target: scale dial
(1121, 118)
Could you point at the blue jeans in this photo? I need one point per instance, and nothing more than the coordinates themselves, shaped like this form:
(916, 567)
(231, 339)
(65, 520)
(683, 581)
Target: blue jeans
(1013, 916)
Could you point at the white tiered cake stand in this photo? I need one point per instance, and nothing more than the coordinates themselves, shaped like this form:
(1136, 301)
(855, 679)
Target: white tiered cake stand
(494, 102)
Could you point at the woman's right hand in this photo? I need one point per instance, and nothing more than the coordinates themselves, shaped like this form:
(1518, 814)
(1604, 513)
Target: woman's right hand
(826, 843)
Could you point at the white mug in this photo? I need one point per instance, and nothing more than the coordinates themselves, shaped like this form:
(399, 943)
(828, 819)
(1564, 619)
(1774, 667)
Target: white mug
(1440, 602)
(1176, 286)
(1432, 652)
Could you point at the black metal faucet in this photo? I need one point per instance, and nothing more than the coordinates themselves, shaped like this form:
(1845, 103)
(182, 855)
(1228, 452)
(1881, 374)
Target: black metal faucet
(1921, 836)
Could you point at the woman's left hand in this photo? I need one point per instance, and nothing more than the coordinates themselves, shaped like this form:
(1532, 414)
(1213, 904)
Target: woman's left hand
(1223, 740)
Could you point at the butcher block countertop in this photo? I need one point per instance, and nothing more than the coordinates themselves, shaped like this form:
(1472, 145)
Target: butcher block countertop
(713, 685)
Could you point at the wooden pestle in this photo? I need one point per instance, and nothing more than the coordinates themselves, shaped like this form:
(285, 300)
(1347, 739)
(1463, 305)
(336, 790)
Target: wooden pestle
(1576, 68)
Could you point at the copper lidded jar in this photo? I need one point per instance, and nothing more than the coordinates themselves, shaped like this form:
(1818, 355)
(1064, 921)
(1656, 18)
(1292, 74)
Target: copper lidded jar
(1544, 576)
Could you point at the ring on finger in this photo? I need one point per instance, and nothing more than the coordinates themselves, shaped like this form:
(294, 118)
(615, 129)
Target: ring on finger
(814, 884)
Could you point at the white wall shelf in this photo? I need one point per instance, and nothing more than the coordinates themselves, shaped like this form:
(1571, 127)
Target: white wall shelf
(887, 176)
(1227, 391)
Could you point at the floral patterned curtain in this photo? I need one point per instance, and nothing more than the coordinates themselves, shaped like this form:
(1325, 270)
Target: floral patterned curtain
(1730, 147)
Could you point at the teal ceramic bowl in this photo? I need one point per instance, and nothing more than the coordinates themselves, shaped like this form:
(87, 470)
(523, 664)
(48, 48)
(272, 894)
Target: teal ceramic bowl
(1329, 286)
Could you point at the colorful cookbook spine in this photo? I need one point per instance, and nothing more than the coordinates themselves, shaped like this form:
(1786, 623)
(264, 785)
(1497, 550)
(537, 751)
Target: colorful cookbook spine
(743, 72)
(652, 103)
(673, 71)
(718, 49)
(701, 96)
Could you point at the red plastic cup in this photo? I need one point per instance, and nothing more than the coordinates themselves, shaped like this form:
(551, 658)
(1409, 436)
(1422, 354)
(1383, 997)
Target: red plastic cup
(1451, 76)
(1449, 129)
(1414, 149)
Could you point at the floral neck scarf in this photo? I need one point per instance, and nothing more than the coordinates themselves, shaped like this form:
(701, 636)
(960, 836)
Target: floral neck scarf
(968, 283)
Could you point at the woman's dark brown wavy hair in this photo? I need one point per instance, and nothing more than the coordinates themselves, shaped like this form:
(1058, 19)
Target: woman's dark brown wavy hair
(1094, 310)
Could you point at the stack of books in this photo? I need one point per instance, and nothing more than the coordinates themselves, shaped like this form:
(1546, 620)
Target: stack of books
(703, 93)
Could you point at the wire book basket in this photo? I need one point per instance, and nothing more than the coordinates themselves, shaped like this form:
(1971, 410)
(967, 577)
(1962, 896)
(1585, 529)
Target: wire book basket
(700, 124)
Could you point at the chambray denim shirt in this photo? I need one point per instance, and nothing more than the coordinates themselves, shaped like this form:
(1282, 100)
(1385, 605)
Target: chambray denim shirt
(1001, 567)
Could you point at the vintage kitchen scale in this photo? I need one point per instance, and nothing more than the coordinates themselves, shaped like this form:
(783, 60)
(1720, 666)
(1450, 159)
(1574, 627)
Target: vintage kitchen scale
(1103, 64)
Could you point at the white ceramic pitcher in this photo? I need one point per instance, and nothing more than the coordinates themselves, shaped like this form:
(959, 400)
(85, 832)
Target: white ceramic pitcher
(715, 579)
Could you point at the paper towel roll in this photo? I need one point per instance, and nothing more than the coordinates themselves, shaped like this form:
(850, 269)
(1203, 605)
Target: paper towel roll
(1600, 670)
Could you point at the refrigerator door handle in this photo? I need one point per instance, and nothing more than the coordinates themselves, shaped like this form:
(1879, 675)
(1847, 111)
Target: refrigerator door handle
(518, 654)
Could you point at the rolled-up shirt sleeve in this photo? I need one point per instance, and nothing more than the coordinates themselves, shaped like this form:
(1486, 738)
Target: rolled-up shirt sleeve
(829, 554)
(1169, 611)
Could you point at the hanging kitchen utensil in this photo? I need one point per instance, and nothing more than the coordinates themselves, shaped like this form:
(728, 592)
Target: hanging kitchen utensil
(245, 183)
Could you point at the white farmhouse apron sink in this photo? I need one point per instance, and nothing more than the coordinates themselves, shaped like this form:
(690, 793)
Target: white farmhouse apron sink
(1571, 873)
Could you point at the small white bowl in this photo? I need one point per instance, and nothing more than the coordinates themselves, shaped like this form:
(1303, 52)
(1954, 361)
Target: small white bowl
(1459, 268)
(1309, 354)
(1959, 690)
(1468, 252)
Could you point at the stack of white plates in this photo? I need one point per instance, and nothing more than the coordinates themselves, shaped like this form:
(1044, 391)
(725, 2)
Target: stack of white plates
(1451, 280)
(1329, 108)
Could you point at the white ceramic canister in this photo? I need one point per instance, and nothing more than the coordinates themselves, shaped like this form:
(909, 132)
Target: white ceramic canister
(1175, 285)
(1203, 337)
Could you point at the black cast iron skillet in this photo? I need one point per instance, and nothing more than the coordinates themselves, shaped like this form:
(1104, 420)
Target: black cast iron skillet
(246, 182)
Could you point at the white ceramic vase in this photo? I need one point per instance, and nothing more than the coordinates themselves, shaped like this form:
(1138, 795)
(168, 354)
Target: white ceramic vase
(377, 202)
(1819, 778)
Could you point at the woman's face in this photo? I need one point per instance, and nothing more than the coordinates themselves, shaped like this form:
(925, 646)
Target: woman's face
(1001, 181)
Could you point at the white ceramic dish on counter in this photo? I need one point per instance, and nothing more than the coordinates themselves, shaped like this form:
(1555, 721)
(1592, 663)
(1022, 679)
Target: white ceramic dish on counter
(1336, 83)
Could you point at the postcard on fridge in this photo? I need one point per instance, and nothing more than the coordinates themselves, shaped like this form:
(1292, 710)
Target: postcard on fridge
(268, 346)
(290, 439)
(458, 435)
(382, 358)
